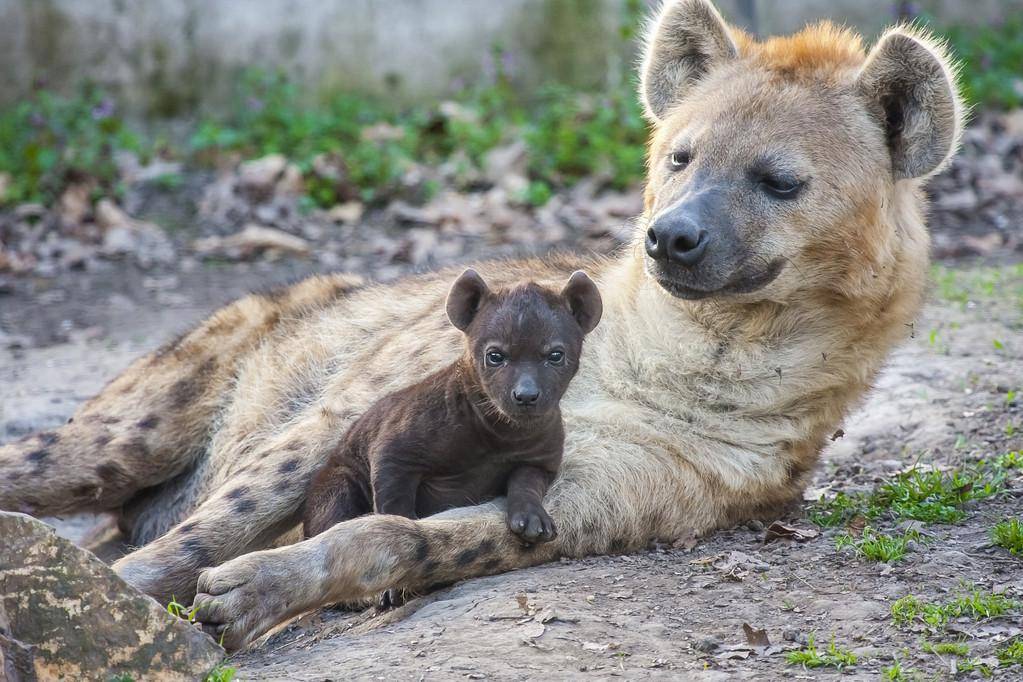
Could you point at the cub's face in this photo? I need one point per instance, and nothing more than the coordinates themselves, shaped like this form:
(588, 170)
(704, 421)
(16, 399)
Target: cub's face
(777, 166)
(758, 186)
(524, 343)
(525, 347)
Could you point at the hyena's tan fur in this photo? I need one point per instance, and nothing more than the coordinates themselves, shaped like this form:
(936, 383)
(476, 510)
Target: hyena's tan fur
(685, 415)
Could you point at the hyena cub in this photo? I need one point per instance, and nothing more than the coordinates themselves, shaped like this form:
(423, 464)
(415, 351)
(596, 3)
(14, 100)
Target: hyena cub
(486, 425)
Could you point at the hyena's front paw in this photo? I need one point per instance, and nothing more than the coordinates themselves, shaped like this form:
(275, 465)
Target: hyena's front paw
(532, 524)
(245, 597)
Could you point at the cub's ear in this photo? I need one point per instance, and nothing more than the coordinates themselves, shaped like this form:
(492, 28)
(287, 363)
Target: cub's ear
(465, 298)
(909, 83)
(682, 44)
(583, 300)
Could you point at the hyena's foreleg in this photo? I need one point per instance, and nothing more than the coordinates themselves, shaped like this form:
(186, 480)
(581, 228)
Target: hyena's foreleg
(153, 420)
(599, 508)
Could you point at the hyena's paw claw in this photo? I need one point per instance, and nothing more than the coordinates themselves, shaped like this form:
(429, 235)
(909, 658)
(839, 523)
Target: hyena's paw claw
(532, 525)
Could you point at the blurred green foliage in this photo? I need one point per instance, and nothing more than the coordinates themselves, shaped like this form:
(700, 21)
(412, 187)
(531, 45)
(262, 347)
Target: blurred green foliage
(48, 141)
(992, 61)
(568, 135)
(269, 116)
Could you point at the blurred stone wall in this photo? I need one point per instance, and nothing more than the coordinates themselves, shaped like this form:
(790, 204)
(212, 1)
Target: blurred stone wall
(166, 57)
(767, 17)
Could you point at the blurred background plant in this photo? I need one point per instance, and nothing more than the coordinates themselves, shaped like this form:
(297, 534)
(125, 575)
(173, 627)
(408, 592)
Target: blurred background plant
(50, 141)
(992, 61)
(526, 160)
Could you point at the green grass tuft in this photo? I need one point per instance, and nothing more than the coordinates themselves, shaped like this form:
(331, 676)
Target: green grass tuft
(962, 285)
(812, 657)
(179, 610)
(970, 602)
(1009, 534)
(1010, 460)
(947, 648)
(878, 546)
(928, 496)
(1010, 653)
(897, 673)
(969, 665)
(221, 673)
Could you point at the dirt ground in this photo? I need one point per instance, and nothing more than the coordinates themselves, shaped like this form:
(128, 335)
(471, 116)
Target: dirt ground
(671, 612)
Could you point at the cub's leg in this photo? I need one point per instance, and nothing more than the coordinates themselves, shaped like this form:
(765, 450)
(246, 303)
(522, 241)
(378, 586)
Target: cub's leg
(614, 502)
(338, 493)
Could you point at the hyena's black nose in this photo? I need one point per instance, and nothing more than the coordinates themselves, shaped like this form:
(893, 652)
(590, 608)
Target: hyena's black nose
(526, 393)
(676, 238)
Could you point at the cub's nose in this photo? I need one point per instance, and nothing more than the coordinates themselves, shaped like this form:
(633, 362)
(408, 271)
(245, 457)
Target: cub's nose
(676, 238)
(526, 393)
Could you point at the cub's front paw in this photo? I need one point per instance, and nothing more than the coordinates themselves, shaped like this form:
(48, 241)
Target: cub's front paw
(532, 524)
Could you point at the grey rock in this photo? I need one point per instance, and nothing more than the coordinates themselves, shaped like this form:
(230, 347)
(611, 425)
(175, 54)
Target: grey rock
(146, 244)
(65, 615)
(258, 177)
(707, 645)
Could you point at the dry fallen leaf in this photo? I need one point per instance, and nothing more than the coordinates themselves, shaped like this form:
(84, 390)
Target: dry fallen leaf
(533, 630)
(781, 531)
(856, 525)
(687, 540)
(594, 646)
(757, 638)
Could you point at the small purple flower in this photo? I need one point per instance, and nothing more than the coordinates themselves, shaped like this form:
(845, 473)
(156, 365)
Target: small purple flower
(906, 10)
(36, 119)
(509, 63)
(254, 103)
(105, 109)
(489, 68)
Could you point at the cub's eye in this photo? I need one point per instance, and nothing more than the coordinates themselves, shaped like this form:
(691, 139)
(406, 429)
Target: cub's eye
(781, 187)
(556, 357)
(679, 160)
(494, 358)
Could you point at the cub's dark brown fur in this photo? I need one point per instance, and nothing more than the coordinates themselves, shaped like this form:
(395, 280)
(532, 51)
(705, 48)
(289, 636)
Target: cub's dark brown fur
(489, 424)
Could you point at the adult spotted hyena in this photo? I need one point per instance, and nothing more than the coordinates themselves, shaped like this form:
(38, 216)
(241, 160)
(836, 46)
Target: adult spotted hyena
(780, 255)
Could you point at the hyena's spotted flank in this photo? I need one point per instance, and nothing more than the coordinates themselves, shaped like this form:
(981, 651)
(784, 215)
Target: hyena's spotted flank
(780, 256)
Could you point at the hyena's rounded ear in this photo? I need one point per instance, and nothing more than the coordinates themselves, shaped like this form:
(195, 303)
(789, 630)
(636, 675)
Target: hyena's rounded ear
(465, 298)
(909, 83)
(583, 300)
(686, 40)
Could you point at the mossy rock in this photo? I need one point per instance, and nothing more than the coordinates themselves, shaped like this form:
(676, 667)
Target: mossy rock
(65, 615)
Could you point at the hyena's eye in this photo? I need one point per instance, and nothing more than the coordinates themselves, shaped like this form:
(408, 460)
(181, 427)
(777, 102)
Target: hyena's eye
(679, 160)
(494, 358)
(781, 187)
